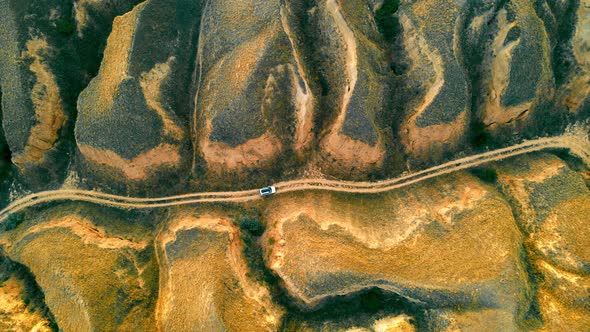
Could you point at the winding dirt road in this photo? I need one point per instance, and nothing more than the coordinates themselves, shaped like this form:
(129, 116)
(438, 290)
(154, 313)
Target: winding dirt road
(577, 143)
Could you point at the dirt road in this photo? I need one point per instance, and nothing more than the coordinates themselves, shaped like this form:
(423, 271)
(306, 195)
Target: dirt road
(577, 143)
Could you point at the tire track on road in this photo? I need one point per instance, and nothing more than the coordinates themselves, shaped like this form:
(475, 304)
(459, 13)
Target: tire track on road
(576, 143)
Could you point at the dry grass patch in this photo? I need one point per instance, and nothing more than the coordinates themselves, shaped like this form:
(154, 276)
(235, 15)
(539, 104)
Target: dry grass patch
(14, 314)
(443, 235)
(205, 282)
(116, 55)
(86, 287)
(421, 141)
(49, 112)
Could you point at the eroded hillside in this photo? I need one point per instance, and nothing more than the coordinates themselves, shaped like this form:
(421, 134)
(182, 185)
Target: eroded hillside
(128, 95)
(502, 247)
(146, 99)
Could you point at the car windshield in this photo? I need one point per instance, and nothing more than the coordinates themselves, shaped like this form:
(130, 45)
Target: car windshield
(265, 190)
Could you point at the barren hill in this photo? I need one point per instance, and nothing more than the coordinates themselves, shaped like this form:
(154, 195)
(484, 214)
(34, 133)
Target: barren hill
(117, 101)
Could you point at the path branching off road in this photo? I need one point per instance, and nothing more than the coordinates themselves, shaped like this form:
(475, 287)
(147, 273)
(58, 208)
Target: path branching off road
(576, 143)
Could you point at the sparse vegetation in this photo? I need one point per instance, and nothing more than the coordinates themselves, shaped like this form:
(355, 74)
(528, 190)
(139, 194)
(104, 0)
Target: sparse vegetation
(252, 226)
(354, 310)
(12, 222)
(360, 308)
(134, 75)
(387, 22)
(486, 174)
(480, 137)
(65, 26)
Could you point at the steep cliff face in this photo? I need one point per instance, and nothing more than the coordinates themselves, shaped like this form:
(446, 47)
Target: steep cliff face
(566, 24)
(523, 64)
(575, 93)
(196, 93)
(518, 79)
(354, 66)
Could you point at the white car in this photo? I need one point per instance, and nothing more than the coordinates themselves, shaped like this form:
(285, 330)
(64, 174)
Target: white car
(267, 191)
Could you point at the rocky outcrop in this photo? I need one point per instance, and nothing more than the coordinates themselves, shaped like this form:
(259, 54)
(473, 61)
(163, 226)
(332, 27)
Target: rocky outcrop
(131, 128)
(92, 17)
(566, 24)
(90, 25)
(196, 93)
(43, 67)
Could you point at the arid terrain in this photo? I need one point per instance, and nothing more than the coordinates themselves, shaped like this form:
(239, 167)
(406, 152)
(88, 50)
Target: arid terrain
(431, 160)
